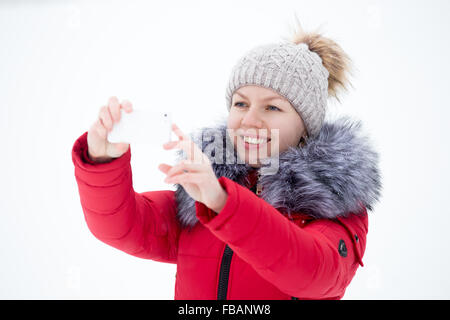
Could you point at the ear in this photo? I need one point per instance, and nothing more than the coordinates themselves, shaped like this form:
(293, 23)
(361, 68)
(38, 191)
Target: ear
(303, 141)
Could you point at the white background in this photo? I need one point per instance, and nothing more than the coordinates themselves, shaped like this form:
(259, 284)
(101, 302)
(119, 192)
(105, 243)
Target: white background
(60, 61)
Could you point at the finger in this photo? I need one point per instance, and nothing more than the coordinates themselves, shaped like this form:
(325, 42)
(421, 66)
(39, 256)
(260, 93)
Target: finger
(126, 105)
(185, 178)
(112, 100)
(164, 167)
(106, 118)
(114, 110)
(179, 133)
(170, 179)
(170, 144)
(192, 151)
(100, 128)
(187, 145)
(185, 166)
(179, 144)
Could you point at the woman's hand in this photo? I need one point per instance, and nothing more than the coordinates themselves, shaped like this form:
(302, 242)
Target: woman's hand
(99, 148)
(195, 173)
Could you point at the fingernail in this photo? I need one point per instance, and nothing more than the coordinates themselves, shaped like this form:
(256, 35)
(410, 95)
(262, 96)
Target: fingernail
(127, 105)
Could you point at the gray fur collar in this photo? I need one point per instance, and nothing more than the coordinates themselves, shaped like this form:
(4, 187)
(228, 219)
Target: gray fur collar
(331, 176)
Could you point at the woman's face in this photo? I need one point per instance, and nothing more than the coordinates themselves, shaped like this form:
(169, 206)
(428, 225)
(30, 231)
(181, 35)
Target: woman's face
(256, 111)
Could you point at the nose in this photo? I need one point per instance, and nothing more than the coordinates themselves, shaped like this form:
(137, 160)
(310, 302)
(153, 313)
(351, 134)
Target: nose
(251, 119)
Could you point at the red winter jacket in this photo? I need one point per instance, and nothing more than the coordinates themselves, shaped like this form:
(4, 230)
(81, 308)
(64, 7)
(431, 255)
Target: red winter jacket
(250, 250)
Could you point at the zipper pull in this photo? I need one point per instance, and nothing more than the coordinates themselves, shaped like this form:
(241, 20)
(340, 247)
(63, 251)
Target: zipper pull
(258, 189)
(258, 185)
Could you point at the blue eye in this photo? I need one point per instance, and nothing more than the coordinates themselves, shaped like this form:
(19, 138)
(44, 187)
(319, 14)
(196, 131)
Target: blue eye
(275, 108)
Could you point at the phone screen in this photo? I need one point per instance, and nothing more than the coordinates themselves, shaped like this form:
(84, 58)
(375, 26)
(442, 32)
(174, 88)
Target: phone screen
(142, 126)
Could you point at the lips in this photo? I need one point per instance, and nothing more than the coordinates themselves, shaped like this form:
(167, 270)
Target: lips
(254, 136)
(250, 146)
(251, 140)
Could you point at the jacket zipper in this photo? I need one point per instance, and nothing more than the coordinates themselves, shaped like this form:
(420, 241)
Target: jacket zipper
(225, 263)
(224, 274)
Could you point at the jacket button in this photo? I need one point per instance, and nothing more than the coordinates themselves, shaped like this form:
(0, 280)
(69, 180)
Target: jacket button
(342, 248)
(356, 238)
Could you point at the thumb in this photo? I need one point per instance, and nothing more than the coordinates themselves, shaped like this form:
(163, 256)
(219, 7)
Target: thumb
(116, 150)
(122, 147)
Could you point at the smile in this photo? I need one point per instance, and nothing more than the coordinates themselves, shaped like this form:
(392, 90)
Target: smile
(256, 141)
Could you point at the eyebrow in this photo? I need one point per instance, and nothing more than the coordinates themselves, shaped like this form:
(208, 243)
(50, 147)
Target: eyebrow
(266, 99)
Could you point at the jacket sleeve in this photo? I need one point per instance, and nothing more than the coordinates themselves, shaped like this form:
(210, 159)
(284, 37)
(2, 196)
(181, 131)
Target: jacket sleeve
(141, 224)
(304, 262)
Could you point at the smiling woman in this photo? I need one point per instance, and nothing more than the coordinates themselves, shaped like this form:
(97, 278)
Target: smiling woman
(253, 115)
(298, 232)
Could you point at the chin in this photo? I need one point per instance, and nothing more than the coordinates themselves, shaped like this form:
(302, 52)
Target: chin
(253, 161)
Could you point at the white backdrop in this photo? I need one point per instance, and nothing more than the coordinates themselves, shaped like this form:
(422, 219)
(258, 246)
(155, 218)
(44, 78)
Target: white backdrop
(60, 61)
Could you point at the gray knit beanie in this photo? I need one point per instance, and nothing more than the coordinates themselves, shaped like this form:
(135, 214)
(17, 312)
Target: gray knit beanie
(293, 71)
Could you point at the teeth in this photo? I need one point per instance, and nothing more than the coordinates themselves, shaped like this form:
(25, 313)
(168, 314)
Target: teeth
(254, 140)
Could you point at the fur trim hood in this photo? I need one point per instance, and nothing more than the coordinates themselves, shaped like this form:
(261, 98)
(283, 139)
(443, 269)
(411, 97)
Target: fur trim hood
(333, 175)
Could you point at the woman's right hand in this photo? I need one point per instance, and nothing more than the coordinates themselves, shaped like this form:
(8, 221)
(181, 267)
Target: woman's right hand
(99, 148)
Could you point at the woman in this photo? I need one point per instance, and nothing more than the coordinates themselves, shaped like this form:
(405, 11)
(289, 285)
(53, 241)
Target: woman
(294, 231)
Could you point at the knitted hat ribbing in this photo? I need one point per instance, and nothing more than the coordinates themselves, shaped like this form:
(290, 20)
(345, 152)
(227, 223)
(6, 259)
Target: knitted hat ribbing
(293, 71)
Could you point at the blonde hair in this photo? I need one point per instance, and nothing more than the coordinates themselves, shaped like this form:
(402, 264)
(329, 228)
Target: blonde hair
(334, 59)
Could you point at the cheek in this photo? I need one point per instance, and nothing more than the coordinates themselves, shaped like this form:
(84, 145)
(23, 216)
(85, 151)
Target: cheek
(286, 140)
(231, 121)
(232, 126)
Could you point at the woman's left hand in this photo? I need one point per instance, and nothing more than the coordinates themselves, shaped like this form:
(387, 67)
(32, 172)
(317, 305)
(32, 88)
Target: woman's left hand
(195, 173)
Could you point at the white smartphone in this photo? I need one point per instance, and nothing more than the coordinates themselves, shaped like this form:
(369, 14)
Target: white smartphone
(142, 126)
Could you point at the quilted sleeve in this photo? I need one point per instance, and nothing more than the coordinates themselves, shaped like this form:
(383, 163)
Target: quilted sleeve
(141, 224)
(314, 261)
